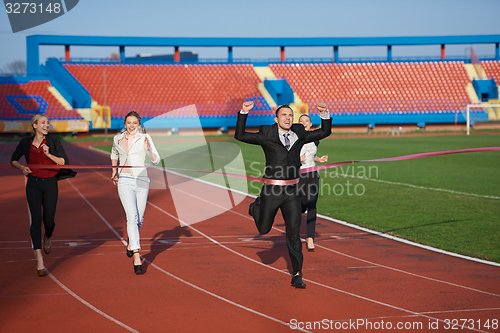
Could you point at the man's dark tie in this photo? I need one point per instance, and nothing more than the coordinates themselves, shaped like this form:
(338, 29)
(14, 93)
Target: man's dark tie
(287, 141)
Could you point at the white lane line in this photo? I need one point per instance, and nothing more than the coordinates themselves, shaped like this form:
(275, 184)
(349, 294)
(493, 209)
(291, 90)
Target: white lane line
(401, 240)
(105, 315)
(307, 280)
(373, 232)
(181, 280)
(379, 234)
(98, 214)
(355, 227)
(84, 302)
(220, 297)
(363, 260)
(403, 271)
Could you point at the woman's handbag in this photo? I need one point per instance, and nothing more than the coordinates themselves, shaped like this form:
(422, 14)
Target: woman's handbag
(65, 173)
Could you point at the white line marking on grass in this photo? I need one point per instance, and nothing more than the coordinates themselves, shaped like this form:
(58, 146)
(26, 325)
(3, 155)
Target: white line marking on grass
(375, 180)
(349, 225)
(425, 188)
(370, 232)
(430, 248)
(414, 186)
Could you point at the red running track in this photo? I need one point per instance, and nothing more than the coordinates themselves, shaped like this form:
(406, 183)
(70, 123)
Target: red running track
(219, 275)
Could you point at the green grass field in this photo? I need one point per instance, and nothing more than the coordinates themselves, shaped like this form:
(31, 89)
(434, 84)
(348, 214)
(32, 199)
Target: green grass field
(450, 202)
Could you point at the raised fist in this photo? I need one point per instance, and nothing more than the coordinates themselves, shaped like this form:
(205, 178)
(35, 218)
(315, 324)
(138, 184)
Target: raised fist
(322, 108)
(247, 106)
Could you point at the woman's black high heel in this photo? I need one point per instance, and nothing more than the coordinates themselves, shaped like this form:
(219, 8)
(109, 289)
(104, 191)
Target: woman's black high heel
(130, 253)
(137, 268)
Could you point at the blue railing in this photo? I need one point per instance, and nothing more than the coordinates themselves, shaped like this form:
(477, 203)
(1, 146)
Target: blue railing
(273, 60)
(91, 60)
(375, 106)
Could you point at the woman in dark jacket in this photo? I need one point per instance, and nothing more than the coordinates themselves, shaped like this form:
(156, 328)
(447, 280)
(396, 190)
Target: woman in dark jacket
(41, 187)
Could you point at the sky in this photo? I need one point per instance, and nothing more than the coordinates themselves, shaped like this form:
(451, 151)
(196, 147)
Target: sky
(262, 18)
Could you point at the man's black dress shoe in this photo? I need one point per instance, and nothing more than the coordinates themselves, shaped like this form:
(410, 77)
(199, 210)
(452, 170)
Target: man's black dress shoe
(297, 282)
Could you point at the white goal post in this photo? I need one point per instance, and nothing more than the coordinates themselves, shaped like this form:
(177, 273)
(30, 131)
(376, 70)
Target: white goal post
(477, 106)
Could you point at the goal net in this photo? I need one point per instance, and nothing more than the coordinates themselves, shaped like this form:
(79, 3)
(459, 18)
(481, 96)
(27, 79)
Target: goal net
(483, 112)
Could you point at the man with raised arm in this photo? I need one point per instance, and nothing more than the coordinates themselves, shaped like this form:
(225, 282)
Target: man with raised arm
(282, 143)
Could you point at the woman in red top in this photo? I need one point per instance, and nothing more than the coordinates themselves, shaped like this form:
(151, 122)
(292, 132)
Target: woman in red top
(41, 187)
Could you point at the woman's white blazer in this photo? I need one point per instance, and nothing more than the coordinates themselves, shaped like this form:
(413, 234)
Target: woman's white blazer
(136, 155)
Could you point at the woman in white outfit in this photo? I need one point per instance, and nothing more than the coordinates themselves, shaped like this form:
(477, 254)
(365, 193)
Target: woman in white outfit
(130, 149)
(309, 182)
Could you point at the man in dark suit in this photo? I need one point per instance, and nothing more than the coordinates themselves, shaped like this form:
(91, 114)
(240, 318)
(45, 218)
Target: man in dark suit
(282, 143)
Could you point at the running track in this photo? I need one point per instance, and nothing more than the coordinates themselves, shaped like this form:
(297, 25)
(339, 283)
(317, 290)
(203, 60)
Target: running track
(219, 275)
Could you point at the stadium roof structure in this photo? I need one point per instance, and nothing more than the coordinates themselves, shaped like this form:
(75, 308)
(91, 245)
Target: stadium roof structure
(33, 43)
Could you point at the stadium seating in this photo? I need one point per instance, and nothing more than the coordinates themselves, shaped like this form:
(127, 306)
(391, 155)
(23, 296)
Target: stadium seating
(22, 101)
(492, 69)
(217, 90)
(375, 87)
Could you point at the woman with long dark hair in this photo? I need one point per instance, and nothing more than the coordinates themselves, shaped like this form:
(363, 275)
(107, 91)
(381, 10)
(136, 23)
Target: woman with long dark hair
(130, 149)
(41, 187)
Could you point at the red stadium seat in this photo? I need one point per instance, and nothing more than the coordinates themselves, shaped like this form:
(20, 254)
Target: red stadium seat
(170, 84)
(32, 89)
(492, 69)
(378, 82)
